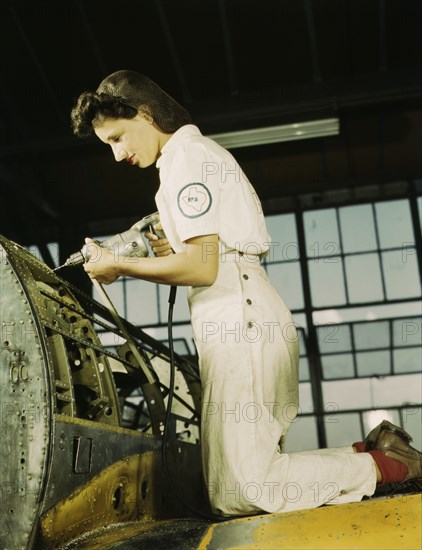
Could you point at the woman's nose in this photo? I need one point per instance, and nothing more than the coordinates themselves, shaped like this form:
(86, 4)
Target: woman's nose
(118, 152)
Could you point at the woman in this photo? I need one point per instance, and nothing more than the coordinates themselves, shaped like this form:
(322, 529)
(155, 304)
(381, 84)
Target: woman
(244, 333)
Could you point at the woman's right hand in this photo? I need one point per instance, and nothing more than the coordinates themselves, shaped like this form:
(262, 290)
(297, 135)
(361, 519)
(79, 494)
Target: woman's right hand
(160, 247)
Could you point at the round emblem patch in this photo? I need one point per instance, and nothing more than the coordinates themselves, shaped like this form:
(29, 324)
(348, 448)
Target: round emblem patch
(194, 200)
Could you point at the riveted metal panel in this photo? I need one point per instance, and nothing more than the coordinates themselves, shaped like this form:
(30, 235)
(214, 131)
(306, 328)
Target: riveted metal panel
(108, 445)
(25, 411)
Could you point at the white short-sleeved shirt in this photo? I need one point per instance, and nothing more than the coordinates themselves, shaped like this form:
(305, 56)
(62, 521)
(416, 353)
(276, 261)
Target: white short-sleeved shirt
(203, 191)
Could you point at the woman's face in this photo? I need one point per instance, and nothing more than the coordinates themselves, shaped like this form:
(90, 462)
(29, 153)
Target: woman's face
(137, 140)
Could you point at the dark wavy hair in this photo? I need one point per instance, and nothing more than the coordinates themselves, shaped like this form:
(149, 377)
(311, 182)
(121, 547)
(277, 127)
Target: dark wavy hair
(122, 95)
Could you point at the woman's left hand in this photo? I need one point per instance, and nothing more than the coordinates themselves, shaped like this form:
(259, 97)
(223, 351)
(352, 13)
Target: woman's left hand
(102, 264)
(160, 247)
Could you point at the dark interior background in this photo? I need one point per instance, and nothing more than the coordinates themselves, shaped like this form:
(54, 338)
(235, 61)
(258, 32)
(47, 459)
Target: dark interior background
(235, 64)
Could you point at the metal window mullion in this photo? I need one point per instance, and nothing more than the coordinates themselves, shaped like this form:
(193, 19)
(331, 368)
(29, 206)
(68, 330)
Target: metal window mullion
(341, 256)
(353, 350)
(377, 239)
(391, 349)
(416, 223)
(314, 359)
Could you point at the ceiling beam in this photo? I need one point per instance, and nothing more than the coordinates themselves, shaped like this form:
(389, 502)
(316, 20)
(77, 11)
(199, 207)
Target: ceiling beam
(382, 60)
(187, 98)
(38, 66)
(234, 87)
(310, 25)
(91, 39)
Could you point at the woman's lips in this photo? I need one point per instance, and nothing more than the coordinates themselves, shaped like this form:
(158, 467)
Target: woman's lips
(131, 159)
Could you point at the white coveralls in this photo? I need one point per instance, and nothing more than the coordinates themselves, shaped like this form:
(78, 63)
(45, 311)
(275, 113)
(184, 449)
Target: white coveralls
(247, 345)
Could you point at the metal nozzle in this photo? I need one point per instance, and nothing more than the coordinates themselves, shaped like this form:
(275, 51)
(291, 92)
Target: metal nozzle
(76, 258)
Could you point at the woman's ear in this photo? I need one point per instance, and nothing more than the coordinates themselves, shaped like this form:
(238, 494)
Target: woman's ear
(146, 116)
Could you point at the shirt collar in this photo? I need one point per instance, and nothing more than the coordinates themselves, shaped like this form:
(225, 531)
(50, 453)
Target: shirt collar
(178, 136)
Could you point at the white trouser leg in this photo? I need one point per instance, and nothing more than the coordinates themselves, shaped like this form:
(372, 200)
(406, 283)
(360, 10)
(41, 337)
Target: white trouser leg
(248, 353)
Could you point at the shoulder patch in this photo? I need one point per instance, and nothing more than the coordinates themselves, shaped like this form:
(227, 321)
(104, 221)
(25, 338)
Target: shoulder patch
(194, 200)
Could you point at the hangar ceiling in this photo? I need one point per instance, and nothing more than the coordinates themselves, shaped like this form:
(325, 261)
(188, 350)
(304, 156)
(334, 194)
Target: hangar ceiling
(235, 64)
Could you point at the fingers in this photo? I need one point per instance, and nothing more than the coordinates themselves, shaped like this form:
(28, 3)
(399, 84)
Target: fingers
(163, 249)
(99, 264)
(151, 236)
(159, 246)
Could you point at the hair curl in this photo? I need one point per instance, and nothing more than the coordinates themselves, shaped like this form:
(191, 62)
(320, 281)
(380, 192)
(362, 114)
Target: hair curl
(91, 106)
(122, 95)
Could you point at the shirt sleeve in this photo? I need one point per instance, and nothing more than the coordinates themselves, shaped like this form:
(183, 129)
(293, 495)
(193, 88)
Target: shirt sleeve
(194, 192)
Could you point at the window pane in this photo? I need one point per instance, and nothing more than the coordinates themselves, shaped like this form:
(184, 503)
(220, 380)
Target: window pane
(141, 298)
(371, 335)
(339, 365)
(305, 397)
(304, 369)
(343, 429)
(363, 278)
(412, 421)
(327, 283)
(302, 338)
(390, 391)
(332, 338)
(349, 394)
(283, 233)
(55, 253)
(287, 279)
(302, 435)
(394, 223)
(407, 360)
(321, 233)
(373, 417)
(407, 332)
(372, 363)
(116, 295)
(401, 275)
(179, 332)
(181, 346)
(357, 228)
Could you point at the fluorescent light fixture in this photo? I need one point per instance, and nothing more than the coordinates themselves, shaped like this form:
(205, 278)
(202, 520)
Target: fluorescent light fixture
(276, 134)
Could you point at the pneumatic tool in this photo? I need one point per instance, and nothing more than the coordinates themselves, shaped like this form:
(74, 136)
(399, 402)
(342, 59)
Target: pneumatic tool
(130, 243)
